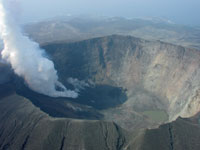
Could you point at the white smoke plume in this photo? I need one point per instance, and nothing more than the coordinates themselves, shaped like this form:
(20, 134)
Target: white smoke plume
(78, 85)
(28, 59)
(1, 45)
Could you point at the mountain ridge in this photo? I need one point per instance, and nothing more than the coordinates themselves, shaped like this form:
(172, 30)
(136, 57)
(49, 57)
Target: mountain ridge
(22, 123)
(80, 28)
(156, 78)
(118, 53)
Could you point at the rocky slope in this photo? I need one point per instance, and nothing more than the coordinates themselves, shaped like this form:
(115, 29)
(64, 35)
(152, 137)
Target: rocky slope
(157, 77)
(182, 134)
(25, 127)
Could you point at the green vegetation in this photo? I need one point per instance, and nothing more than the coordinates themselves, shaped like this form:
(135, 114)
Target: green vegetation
(156, 115)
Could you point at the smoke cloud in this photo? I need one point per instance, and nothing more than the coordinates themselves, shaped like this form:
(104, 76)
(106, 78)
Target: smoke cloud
(28, 59)
(78, 85)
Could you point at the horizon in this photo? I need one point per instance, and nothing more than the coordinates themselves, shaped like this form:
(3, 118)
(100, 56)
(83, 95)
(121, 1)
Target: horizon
(180, 12)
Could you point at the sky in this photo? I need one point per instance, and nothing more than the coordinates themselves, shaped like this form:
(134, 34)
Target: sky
(178, 11)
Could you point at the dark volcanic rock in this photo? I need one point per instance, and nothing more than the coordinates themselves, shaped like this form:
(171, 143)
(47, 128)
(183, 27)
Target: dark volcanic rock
(25, 127)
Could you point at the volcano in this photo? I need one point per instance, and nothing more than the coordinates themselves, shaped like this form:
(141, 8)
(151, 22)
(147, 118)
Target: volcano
(138, 96)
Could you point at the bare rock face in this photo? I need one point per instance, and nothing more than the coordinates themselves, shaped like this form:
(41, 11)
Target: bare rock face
(158, 77)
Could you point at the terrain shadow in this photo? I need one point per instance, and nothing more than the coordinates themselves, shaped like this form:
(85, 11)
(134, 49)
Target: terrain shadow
(86, 106)
(102, 96)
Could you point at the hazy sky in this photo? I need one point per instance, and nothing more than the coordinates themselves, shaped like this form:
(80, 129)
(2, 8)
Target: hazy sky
(179, 11)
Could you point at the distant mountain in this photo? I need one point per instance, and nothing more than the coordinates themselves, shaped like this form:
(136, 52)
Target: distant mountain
(82, 27)
(157, 20)
(134, 86)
